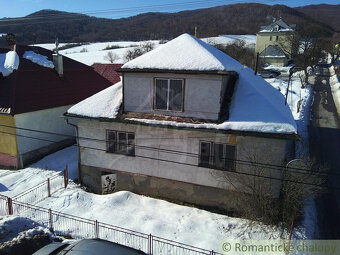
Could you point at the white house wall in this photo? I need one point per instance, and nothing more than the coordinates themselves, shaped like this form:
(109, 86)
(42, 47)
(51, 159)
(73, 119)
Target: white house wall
(48, 120)
(146, 161)
(201, 94)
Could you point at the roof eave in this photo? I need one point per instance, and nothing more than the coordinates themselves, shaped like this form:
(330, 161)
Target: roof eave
(285, 136)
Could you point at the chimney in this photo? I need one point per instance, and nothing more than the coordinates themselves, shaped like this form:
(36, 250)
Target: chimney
(58, 60)
(196, 33)
(11, 41)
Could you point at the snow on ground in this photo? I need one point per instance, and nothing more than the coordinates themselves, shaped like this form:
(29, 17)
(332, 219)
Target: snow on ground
(184, 224)
(14, 227)
(91, 53)
(125, 209)
(227, 39)
(13, 183)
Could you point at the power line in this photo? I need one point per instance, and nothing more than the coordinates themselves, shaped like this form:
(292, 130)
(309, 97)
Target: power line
(187, 164)
(188, 154)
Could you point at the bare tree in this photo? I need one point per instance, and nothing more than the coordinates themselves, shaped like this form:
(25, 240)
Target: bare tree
(239, 51)
(111, 57)
(272, 195)
(138, 51)
(306, 46)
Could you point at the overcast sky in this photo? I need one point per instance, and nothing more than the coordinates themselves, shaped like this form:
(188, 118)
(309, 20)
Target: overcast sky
(125, 8)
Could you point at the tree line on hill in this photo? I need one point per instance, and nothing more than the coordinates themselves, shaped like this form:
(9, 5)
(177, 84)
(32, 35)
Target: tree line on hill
(44, 26)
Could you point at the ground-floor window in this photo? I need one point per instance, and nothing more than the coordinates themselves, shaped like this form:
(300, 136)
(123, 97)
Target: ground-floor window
(120, 142)
(217, 155)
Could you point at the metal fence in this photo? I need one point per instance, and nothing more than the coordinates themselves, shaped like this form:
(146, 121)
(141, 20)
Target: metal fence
(43, 190)
(78, 228)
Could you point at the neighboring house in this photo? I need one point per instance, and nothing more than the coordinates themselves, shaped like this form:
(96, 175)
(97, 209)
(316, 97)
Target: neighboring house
(274, 43)
(108, 71)
(183, 115)
(34, 94)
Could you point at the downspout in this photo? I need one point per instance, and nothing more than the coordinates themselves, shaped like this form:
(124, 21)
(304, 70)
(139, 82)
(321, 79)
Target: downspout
(77, 139)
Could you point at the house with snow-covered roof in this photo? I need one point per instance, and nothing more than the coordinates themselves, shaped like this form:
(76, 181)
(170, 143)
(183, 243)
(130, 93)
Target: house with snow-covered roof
(35, 91)
(274, 43)
(182, 119)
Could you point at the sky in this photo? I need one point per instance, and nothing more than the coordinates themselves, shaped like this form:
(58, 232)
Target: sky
(125, 8)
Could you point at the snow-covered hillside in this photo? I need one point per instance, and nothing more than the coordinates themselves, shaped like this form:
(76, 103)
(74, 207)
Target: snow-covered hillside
(95, 52)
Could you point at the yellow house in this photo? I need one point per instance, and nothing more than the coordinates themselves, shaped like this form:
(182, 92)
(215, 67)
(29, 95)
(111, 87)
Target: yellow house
(273, 43)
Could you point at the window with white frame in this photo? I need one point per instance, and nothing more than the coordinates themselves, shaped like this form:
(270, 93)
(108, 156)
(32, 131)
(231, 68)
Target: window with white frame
(217, 155)
(168, 94)
(120, 142)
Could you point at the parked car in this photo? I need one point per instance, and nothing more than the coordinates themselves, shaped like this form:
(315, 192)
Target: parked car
(87, 247)
(268, 73)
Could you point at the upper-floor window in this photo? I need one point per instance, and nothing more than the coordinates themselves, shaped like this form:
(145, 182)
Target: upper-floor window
(168, 94)
(120, 142)
(217, 155)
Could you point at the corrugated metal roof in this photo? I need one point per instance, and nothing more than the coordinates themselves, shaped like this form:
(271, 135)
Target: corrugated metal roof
(108, 71)
(33, 87)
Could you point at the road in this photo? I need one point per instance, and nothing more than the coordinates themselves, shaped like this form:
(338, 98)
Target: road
(324, 133)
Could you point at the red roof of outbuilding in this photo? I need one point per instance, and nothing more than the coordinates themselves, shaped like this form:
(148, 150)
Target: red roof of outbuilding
(33, 87)
(109, 71)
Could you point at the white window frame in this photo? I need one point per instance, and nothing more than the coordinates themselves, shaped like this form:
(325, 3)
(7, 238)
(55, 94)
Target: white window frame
(116, 143)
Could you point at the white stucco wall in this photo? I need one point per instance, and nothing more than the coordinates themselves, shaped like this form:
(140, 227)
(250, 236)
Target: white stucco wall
(201, 94)
(268, 150)
(49, 120)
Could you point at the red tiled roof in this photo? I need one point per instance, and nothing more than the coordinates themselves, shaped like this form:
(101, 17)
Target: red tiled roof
(33, 87)
(108, 71)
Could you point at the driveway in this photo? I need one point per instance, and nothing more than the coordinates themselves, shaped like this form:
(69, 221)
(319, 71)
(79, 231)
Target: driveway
(325, 148)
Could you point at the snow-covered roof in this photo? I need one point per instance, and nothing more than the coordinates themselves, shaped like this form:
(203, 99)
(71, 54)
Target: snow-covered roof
(104, 104)
(272, 51)
(38, 59)
(185, 52)
(256, 106)
(282, 26)
(8, 62)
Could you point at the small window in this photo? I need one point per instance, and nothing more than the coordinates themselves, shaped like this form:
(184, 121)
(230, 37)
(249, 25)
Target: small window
(277, 38)
(120, 142)
(168, 94)
(270, 38)
(217, 155)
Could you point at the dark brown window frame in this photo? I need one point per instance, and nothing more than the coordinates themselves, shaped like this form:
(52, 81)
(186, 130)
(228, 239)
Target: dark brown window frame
(212, 163)
(154, 94)
(129, 146)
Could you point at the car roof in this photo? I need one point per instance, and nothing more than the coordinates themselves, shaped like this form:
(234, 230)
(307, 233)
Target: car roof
(92, 247)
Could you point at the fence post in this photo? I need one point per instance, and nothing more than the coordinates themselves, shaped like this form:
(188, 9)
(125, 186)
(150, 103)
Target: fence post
(212, 252)
(48, 187)
(10, 206)
(66, 176)
(50, 220)
(96, 229)
(150, 244)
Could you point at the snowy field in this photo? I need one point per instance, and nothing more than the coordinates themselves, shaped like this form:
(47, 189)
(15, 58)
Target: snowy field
(95, 52)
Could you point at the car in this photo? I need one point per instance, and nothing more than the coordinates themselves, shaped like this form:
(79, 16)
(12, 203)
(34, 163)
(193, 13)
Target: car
(269, 73)
(87, 247)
